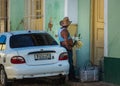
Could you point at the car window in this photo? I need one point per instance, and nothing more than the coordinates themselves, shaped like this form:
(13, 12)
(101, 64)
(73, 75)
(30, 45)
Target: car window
(20, 41)
(27, 40)
(44, 39)
(2, 42)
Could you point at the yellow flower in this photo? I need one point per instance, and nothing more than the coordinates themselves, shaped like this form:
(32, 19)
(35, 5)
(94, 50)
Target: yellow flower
(79, 44)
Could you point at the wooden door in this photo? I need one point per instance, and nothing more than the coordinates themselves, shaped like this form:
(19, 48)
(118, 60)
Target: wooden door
(37, 13)
(3, 15)
(33, 14)
(97, 31)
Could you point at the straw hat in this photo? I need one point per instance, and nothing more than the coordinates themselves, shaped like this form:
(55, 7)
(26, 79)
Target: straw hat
(65, 21)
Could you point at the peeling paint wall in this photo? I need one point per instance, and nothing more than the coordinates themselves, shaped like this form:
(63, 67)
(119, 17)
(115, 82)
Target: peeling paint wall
(54, 12)
(16, 14)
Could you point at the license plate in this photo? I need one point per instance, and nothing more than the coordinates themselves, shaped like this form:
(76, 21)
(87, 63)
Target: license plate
(42, 56)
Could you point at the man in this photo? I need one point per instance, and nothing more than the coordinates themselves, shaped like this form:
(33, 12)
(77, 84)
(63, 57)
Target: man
(67, 42)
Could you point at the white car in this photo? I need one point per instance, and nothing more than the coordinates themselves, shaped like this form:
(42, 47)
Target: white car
(31, 54)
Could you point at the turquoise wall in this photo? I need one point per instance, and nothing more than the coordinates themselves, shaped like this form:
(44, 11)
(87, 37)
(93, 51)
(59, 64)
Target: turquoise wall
(16, 14)
(83, 54)
(54, 10)
(114, 28)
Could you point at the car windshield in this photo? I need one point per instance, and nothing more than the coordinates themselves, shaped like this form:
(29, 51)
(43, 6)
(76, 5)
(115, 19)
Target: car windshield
(33, 39)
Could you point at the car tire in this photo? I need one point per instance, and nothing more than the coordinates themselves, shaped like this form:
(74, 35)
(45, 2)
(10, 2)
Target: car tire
(3, 77)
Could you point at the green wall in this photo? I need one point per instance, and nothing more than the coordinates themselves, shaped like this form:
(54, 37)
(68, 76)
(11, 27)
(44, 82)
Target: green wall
(112, 62)
(114, 28)
(83, 54)
(112, 70)
(16, 14)
(54, 10)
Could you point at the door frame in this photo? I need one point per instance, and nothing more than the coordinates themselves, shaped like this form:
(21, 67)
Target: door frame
(91, 31)
(105, 29)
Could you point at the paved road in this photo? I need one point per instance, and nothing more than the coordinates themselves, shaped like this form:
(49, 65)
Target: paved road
(67, 84)
(35, 82)
(49, 82)
(38, 82)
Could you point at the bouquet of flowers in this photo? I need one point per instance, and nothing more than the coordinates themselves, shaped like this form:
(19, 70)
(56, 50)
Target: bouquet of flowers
(77, 42)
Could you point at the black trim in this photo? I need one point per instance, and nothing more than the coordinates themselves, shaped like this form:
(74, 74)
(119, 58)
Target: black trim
(41, 52)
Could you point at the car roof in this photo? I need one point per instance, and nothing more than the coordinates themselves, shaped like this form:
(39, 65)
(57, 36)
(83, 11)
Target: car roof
(23, 32)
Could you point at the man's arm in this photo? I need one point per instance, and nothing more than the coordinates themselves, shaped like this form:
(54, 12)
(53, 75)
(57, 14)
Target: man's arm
(65, 34)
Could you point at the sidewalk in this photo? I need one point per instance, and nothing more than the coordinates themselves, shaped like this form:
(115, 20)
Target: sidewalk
(90, 84)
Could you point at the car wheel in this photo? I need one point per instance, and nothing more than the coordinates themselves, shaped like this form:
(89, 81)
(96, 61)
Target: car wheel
(3, 77)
